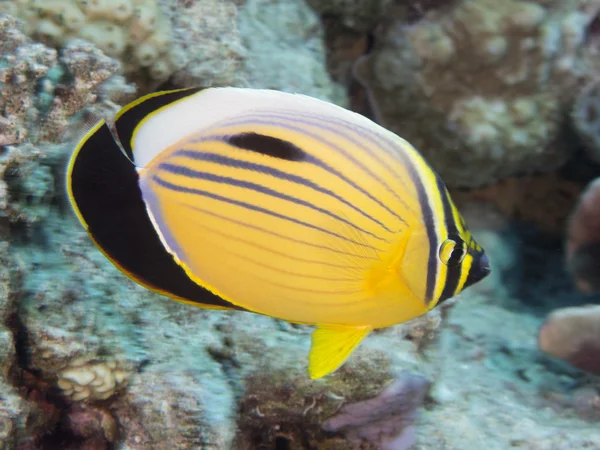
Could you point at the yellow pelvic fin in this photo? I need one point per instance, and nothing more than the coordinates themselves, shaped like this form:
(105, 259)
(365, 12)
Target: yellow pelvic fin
(331, 346)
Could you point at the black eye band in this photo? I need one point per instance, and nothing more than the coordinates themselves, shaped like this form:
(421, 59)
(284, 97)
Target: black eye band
(458, 253)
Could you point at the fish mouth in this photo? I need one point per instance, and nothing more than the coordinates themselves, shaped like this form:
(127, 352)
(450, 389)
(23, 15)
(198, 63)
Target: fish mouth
(479, 270)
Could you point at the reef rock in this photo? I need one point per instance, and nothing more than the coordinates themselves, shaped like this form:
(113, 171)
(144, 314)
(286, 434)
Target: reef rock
(285, 49)
(573, 335)
(482, 87)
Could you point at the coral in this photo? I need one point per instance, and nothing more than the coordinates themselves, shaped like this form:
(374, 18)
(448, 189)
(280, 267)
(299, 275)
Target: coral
(282, 36)
(23, 66)
(78, 310)
(586, 117)
(281, 406)
(92, 380)
(136, 32)
(386, 420)
(41, 91)
(583, 240)
(481, 87)
(573, 335)
(27, 186)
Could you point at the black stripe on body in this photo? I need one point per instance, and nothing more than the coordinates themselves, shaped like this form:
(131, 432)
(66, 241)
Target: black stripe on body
(335, 126)
(428, 220)
(213, 196)
(129, 118)
(271, 232)
(261, 264)
(276, 173)
(105, 190)
(454, 267)
(310, 158)
(195, 174)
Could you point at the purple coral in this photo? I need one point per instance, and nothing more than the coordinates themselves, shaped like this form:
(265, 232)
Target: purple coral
(386, 420)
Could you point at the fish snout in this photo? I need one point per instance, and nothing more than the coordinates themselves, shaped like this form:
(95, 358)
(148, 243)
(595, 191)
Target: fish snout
(484, 265)
(479, 270)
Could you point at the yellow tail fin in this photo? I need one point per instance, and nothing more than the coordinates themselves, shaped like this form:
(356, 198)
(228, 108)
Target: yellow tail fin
(331, 346)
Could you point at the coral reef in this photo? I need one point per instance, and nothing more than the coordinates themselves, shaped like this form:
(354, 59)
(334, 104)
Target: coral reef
(136, 32)
(573, 335)
(482, 88)
(198, 366)
(90, 360)
(40, 92)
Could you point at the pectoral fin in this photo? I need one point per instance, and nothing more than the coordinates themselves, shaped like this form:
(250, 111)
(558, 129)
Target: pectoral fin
(331, 346)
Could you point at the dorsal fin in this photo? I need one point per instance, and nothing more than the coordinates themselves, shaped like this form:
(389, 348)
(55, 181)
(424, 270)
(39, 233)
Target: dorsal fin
(130, 117)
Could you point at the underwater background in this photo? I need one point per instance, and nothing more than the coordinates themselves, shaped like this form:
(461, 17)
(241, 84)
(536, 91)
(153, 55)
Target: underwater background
(502, 97)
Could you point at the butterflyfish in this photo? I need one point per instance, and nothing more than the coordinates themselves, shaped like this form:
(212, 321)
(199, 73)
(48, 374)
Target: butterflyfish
(274, 203)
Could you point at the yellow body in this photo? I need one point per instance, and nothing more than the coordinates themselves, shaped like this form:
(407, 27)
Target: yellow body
(298, 209)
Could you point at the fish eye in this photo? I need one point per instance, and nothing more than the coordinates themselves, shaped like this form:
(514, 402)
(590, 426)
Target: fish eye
(452, 251)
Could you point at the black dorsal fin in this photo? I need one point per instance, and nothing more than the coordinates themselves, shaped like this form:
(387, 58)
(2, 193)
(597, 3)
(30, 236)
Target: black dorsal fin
(133, 114)
(103, 188)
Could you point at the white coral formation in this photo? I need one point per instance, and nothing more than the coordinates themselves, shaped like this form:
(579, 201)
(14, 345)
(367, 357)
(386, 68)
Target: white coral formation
(482, 87)
(92, 380)
(134, 31)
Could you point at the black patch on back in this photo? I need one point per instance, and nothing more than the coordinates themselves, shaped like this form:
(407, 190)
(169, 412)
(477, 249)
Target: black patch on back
(126, 124)
(105, 188)
(267, 145)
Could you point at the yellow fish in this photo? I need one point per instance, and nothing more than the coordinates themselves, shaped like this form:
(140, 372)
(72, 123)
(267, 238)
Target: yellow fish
(274, 203)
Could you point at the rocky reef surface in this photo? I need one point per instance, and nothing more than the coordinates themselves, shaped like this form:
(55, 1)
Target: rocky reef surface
(489, 91)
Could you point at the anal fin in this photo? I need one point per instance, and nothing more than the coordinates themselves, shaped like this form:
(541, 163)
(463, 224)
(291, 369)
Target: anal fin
(331, 346)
